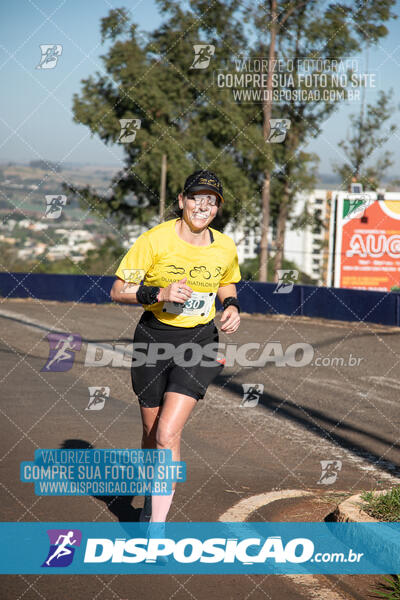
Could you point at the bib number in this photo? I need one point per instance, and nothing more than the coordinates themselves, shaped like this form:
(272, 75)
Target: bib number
(199, 304)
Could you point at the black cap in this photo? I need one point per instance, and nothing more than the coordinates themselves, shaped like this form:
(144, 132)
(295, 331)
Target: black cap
(203, 180)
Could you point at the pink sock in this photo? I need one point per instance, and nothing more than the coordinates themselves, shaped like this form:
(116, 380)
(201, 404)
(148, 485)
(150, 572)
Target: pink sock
(160, 506)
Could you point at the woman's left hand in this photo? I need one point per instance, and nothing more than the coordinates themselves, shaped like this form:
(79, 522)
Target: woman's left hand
(231, 317)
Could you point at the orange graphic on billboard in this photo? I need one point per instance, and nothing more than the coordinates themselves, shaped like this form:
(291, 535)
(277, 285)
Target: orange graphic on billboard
(369, 245)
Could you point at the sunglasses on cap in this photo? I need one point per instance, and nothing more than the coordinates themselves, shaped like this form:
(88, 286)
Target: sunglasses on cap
(208, 199)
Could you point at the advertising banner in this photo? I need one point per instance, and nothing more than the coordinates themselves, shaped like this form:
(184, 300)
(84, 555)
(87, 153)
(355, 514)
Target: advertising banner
(367, 248)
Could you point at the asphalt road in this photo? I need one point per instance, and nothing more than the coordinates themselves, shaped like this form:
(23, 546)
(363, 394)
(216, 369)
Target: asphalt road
(306, 414)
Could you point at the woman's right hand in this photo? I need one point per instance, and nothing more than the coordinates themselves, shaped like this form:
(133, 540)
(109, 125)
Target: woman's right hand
(171, 293)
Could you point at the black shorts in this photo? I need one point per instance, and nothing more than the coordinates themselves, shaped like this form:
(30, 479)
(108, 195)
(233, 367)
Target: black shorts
(151, 381)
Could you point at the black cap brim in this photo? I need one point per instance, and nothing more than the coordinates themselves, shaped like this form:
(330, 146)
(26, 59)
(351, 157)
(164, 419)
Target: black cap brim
(199, 188)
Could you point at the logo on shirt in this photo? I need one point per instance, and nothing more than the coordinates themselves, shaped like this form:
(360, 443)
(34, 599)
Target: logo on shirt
(132, 278)
(175, 270)
(195, 272)
(198, 271)
(133, 275)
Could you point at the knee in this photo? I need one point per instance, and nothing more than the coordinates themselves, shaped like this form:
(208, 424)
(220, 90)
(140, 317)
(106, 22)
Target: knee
(149, 433)
(165, 438)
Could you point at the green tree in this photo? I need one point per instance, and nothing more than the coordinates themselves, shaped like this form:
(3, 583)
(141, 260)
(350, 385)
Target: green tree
(296, 172)
(368, 133)
(185, 116)
(182, 114)
(251, 266)
(315, 30)
(103, 260)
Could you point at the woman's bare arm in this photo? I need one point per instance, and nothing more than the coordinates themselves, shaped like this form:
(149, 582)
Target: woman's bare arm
(124, 292)
(226, 291)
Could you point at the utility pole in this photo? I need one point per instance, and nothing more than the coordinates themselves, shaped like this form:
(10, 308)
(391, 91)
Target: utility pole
(163, 186)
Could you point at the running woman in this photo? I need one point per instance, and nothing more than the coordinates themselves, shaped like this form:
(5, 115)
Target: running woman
(182, 264)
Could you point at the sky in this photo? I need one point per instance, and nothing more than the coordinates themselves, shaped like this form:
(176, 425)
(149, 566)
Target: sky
(36, 104)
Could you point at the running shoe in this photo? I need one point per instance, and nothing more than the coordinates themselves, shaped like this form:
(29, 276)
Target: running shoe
(156, 530)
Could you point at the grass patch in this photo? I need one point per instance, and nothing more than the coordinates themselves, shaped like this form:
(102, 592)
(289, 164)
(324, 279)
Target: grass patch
(334, 497)
(383, 508)
(389, 588)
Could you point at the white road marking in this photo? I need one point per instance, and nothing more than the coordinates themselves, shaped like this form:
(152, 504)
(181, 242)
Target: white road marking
(336, 385)
(385, 381)
(29, 322)
(242, 509)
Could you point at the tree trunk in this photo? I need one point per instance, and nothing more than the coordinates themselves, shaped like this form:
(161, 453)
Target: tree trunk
(285, 200)
(163, 186)
(267, 110)
(280, 231)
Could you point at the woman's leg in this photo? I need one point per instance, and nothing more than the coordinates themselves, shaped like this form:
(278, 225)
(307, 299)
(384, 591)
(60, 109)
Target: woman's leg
(175, 411)
(150, 418)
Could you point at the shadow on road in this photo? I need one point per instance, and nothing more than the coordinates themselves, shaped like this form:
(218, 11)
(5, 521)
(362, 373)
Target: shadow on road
(120, 506)
(322, 425)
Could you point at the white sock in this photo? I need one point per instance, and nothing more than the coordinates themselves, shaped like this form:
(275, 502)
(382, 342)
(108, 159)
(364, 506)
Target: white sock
(160, 506)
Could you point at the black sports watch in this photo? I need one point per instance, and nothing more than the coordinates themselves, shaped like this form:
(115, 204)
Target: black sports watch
(231, 301)
(147, 294)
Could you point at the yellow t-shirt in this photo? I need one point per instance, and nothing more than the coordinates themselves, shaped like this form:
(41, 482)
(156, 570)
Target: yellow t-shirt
(160, 257)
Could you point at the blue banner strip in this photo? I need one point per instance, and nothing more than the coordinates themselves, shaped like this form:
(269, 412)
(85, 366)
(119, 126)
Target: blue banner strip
(200, 548)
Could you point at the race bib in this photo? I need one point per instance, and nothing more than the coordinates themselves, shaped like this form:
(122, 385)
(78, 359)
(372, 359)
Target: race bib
(199, 303)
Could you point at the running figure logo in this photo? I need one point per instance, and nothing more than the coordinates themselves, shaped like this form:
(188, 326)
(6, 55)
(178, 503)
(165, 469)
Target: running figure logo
(129, 128)
(97, 397)
(132, 278)
(62, 351)
(278, 129)
(330, 471)
(50, 55)
(251, 394)
(62, 550)
(54, 206)
(286, 279)
(202, 55)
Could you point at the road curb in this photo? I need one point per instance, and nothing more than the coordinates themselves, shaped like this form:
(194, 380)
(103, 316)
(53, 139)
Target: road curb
(349, 510)
(384, 539)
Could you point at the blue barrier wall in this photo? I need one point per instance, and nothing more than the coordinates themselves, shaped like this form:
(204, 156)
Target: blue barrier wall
(65, 288)
(340, 304)
(255, 297)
